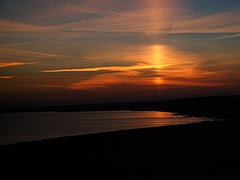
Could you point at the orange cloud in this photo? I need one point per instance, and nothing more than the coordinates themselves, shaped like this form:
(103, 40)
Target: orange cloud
(107, 68)
(183, 75)
(9, 64)
(6, 77)
(159, 66)
(105, 81)
(157, 57)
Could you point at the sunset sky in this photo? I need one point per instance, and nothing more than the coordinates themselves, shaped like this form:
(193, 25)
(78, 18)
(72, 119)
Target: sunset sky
(87, 51)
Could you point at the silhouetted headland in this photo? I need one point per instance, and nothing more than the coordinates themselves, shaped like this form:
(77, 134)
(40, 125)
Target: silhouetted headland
(208, 150)
(225, 107)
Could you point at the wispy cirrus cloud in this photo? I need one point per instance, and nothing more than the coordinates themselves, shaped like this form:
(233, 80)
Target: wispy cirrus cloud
(137, 78)
(155, 16)
(163, 66)
(229, 36)
(142, 75)
(143, 16)
(107, 68)
(28, 53)
(15, 63)
(109, 44)
(219, 22)
(106, 81)
(13, 26)
(160, 17)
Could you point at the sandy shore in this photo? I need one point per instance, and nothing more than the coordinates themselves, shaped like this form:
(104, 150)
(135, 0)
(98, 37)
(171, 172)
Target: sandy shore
(195, 151)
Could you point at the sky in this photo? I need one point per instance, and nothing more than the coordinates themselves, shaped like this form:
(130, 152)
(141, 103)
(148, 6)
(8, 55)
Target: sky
(92, 51)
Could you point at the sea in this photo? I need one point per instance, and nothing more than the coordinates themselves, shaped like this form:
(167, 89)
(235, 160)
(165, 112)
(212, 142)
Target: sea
(33, 126)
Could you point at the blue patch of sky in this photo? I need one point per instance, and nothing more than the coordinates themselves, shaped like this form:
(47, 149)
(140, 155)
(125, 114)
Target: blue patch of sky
(208, 7)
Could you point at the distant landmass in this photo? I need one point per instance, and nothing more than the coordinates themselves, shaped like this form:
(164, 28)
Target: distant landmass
(224, 107)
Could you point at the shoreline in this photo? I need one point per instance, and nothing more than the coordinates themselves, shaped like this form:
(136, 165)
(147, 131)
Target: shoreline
(111, 132)
(169, 120)
(205, 150)
(211, 106)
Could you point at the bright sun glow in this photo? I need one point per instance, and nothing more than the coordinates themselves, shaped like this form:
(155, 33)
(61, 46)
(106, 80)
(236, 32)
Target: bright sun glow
(157, 55)
(157, 61)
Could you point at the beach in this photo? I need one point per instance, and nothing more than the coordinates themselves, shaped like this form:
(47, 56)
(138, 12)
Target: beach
(195, 151)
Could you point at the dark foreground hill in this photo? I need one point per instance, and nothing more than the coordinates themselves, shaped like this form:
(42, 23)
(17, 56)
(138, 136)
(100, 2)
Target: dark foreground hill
(207, 150)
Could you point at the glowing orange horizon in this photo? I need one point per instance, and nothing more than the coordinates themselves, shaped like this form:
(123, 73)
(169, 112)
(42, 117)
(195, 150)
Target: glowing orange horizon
(169, 66)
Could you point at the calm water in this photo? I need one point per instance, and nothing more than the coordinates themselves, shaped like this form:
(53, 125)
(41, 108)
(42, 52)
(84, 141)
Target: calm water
(18, 127)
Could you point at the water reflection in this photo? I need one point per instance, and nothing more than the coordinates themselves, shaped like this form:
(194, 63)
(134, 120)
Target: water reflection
(34, 126)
